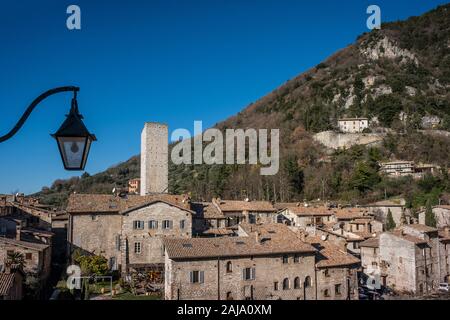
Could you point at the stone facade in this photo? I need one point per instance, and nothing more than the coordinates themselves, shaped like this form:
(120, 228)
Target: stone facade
(154, 158)
(129, 238)
(337, 283)
(409, 260)
(178, 224)
(219, 283)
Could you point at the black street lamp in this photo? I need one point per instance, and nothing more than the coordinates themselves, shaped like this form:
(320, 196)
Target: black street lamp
(73, 138)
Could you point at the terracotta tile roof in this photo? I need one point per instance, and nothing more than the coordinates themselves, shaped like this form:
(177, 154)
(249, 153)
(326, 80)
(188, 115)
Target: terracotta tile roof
(104, 203)
(362, 220)
(407, 237)
(421, 228)
(272, 239)
(330, 255)
(206, 210)
(218, 232)
(363, 234)
(371, 243)
(25, 244)
(253, 206)
(311, 211)
(349, 213)
(6, 283)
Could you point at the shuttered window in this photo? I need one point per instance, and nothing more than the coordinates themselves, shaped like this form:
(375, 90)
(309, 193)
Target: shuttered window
(167, 224)
(138, 225)
(248, 273)
(153, 224)
(196, 276)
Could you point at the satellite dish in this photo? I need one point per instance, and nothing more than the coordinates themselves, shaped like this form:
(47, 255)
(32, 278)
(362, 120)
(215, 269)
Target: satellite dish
(323, 237)
(114, 190)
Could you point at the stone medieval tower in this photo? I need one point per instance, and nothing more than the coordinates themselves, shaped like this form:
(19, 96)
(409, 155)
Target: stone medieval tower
(154, 158)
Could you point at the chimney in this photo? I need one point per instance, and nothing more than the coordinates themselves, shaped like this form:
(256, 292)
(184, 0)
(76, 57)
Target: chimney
(18, 231)
(154, 158)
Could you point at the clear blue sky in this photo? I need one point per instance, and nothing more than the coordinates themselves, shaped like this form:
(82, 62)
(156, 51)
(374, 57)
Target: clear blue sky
(167, 61)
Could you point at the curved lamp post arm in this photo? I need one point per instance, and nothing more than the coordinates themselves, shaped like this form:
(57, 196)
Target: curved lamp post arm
(33, 105)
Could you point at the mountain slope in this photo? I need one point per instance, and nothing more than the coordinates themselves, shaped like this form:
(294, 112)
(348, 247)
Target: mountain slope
(395, 76)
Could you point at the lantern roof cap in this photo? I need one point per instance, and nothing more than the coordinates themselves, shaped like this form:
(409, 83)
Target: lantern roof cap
(73, 126)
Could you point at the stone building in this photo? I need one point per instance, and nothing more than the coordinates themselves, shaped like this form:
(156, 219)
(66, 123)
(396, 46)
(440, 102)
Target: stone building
(397, 168)
(336, 271)
(207, 218)
(35, 246)
(128, 231)
(370, 262)
(266, 262)
(306, 216)
(444, 254)
(154, 159)
(409, 259)
(353, 125)
(397, 207)
(236, 211)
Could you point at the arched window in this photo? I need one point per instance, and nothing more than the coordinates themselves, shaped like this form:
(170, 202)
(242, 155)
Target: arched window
(307, 282)
(286, 284)
(229, 267)
(297, 283)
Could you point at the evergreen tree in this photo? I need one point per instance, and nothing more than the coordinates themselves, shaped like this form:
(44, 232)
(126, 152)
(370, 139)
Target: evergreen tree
(430, 218)
(390, 223)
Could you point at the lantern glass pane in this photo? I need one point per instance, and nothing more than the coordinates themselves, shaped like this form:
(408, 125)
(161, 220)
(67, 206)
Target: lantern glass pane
(72, 149)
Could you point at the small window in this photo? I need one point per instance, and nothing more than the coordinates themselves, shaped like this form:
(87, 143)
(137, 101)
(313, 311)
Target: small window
(28, 256)
(248, 273)
(286, 284)
(138, 225)
(229, 267)
(326, 273)
(117, 242)
(285, 259)
(197, 276)
(326, 293)
(275, 286)
(153, 224)
(137, 247)
(182, 224)
(337, 289)
(167, 224)
(296, 259)
(297, 283)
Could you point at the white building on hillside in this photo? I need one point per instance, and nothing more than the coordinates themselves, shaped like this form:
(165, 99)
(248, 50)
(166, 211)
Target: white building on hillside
(353, 125)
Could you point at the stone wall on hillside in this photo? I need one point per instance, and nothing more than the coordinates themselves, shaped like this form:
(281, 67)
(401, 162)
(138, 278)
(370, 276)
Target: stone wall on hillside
(336, 140)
